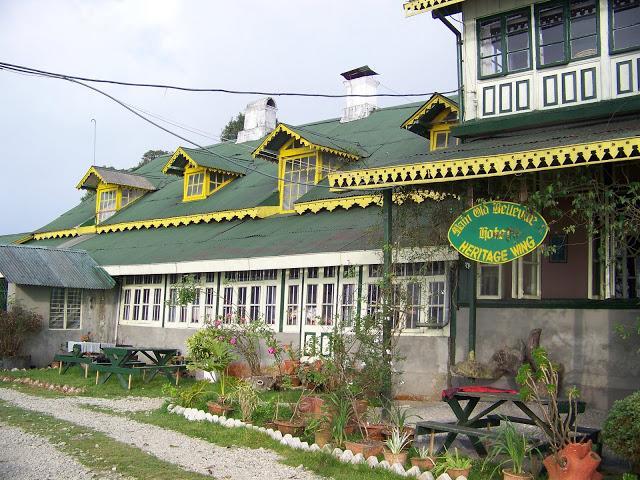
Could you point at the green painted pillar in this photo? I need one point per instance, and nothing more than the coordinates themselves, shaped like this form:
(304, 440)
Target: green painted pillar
(472, 309)
(387, 208)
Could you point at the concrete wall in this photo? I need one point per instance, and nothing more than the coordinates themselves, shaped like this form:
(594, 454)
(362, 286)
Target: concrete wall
(98, 317)
(604, 367)
(424, 368)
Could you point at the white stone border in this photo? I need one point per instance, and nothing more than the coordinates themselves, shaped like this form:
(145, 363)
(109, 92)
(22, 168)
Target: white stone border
(346, 456)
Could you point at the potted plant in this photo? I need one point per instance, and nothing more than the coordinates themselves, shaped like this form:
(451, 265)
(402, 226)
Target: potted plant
(373, 426)
(291, 364)
(399, 418)
(210, 354)
(569, 459)
(515, 446)
(395, 447)
(247, 397)
(366, 447)
(319, 427)
(293, 426)
(424, 458)
(16, 325)
(453, 465)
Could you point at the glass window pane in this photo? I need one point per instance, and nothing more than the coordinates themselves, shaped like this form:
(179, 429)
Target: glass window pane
(56, 308)
(518, 60)
(74, 307)
(551, 35)
(489, 280)
(552, 54)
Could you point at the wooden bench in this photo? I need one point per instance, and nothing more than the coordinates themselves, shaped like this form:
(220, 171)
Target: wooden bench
(584, 433)
(73, 358)
(111, 369)
(177, 368)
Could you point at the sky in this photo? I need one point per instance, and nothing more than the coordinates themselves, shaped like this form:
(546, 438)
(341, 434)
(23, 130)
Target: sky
(282, 45)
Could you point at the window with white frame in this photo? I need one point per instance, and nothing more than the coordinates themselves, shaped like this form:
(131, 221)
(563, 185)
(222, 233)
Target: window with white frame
(173, 308)
(489, 283)
(311, 304)
(106, 204)
(195, 307)
(326, 317)
(292, 304)
(65, 308)
(129, 195)
(142, 297)
(270, 305)
(526, 276)
(254, 306)
(348, 304)
(299, 176)
(320, 285)
(227, 305)
(209, 304)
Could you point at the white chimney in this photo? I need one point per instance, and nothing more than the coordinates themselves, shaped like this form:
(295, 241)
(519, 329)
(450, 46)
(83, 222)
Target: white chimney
(360, 81)
(259, 119)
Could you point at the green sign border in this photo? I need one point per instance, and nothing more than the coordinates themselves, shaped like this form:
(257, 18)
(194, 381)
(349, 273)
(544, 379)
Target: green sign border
(470, 210)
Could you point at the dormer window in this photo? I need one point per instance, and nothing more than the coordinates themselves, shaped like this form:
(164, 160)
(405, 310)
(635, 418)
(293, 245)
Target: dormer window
(204, 172)
(434, 121)
(441, 137)
(115, 189)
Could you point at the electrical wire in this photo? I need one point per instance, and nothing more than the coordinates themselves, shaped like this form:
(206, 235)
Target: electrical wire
(245, 166)
(5, 65)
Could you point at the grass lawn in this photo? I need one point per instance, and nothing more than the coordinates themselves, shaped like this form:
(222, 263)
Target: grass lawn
(93, 449)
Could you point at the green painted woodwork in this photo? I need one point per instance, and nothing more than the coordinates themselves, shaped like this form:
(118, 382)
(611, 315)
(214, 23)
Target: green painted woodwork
(497, 232)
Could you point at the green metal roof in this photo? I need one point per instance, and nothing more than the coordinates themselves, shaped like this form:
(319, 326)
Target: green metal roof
(52, 267)
(341, 230)
(8, 239)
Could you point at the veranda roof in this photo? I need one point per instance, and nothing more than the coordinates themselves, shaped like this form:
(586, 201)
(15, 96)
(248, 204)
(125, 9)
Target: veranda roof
(52, 267)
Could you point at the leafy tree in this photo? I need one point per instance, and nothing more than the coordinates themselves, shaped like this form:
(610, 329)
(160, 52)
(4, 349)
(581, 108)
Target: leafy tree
(231, 129)
(150, 155)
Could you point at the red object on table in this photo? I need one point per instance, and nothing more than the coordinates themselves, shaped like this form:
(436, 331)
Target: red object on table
(450, 392)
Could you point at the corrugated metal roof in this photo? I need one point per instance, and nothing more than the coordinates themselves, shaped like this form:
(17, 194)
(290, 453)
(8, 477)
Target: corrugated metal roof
(118, 177)
(52, 267)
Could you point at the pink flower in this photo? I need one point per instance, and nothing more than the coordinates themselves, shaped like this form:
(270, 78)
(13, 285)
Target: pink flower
(271, 350)
(217, 323)
(233, 341)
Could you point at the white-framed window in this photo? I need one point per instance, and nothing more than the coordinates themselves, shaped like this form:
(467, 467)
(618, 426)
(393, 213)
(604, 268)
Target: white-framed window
(195, 307)
(270, 305)
(129, 195)
(142, 298)
(293, 304)
(173, 308)
(311, 304)
(320, 295)
(328, 300)
(209, 303)
(227, 305)
(195, 185)
(299, 176)
(348, 304)
(106, 204)
(65, 308)
(525, 279)
(489, 283)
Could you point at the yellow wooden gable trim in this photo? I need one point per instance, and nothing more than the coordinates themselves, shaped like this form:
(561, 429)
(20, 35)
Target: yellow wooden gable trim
(436, 99)
(71, 232)
(24, 239)
(284, 129)
(91, 171)
(364, 201)
(541, 159)
(416, 7)
(174, 157)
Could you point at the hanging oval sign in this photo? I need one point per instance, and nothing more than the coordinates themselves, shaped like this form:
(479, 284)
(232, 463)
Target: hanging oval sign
(497, 232)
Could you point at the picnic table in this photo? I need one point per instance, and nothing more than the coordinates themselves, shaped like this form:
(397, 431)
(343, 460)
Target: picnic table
(477, 425)
(123, 361)
(71, 359)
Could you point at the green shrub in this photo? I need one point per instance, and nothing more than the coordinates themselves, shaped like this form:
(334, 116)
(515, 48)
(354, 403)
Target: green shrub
(16, 325)
(622, 428)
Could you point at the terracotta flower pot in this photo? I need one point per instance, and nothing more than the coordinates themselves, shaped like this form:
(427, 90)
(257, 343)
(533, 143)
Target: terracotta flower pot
(289, 367)
(392, 458)
(366, 447)
(423, 464)
(375, 432)
(292, 428)
(217, 409)
(577, 462)
(509, 475)
(456, 472)
(295, 381)
(323, 437)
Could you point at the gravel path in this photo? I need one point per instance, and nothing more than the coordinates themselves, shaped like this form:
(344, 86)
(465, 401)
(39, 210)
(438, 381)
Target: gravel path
(125, 404)
(189, 453)
(24, 456)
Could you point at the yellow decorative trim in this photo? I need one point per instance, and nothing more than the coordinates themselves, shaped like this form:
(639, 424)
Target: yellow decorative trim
(24, 239)
(433, 101)
(415, 7)
(254, 212)
(363, 201)
(91, 171)
(541, 159)
(174, 157)
(72, 232)
(281, 128)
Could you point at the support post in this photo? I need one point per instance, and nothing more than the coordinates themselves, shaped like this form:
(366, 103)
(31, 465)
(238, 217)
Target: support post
(387, 208)
(472, 309)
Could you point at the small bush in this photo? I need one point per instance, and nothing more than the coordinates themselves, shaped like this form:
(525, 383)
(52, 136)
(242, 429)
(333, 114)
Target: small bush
(622, 428)
(16, 326)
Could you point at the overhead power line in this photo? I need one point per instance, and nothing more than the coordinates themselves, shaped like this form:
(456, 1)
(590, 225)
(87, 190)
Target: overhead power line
(24, 69)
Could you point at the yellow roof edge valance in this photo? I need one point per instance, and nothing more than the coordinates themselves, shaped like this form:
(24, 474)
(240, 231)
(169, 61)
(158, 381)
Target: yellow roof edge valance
(566, 156)
(179, 152)
(434, 100)
(363, 201)
(415, 7)
(253, 212)
(282, 128)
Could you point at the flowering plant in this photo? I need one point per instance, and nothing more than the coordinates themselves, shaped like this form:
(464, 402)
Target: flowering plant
(247, 337)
